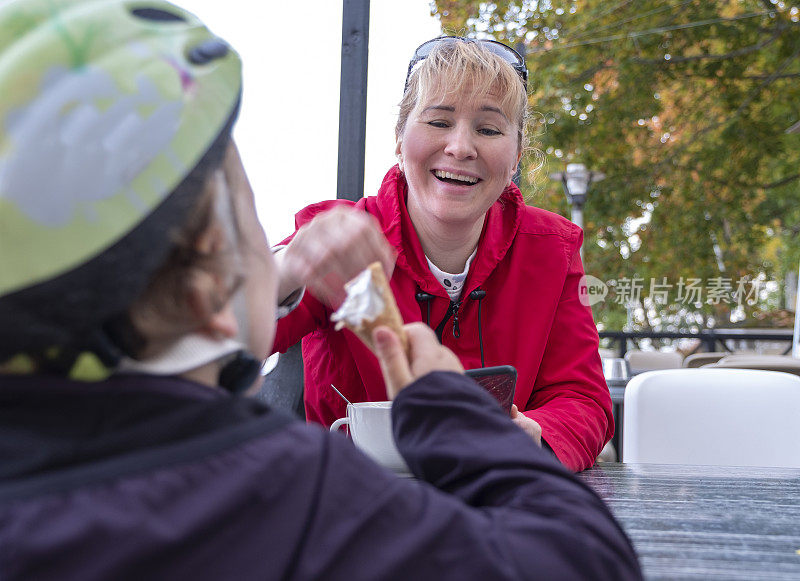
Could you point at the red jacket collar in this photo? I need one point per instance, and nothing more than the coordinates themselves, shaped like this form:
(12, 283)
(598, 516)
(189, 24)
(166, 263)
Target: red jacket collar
(499, 229)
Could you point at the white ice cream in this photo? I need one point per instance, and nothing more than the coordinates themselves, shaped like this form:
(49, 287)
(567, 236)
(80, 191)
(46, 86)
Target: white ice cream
(363, 302)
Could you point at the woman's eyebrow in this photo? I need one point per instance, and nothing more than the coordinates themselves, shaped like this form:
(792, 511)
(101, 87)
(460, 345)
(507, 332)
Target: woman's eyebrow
(439, 108)
(494, 110)
(451, 109)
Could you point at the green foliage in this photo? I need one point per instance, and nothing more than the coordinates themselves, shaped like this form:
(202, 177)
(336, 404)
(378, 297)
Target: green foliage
(684, 105)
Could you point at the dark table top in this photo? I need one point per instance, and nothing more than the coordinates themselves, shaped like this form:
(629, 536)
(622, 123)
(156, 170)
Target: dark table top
(617, 389)
(706, 522)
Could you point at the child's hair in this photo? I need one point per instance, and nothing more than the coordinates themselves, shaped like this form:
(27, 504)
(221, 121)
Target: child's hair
(165, 292)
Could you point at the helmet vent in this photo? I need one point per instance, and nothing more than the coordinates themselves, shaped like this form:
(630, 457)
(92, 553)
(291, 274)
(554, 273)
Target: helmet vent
(157, 15)
(208, 51)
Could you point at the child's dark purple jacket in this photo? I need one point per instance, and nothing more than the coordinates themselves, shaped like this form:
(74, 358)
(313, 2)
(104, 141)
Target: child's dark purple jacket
(151, 478)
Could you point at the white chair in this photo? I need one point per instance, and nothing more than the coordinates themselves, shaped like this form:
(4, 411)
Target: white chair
(733, 417)
(700, 359)
(607, 353)
(641, 361)
(784, 363)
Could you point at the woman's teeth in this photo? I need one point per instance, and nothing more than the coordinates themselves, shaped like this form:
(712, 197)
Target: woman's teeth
(446, 175)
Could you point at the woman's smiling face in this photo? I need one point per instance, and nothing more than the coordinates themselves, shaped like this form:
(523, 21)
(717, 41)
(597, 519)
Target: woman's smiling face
(458, 151)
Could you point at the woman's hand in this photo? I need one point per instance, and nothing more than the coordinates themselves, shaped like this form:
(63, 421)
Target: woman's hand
(330, 250)
(529, 426)
(425, 354)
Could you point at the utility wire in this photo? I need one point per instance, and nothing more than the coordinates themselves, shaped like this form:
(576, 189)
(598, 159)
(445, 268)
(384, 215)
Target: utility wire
(632, 18)
(659, 30)
(675, 153)
(603, 13)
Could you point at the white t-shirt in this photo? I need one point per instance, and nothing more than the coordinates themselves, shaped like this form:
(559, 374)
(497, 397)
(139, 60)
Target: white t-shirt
(452, 283)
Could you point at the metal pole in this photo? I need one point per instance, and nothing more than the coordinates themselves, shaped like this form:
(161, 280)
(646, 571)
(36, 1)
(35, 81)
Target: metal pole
(577, 215)
(283, 387)
(577, 218)
(796, 337)
(353, 99)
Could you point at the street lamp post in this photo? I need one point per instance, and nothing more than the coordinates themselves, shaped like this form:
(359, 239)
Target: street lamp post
(576, 181)
(796, 338)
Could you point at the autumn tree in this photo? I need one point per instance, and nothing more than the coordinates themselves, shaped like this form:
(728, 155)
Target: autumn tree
(684, 105)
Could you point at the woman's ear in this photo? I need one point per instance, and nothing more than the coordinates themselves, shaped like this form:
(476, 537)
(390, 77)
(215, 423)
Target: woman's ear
(516, 164)
(398, 151)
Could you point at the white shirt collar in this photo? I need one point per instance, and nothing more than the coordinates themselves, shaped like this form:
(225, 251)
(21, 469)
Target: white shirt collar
(452, 283)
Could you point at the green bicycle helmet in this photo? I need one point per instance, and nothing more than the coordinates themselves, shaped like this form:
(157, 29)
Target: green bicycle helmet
(111, 114)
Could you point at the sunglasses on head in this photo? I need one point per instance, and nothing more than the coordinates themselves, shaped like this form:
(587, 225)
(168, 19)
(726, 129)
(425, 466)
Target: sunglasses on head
(506, 53)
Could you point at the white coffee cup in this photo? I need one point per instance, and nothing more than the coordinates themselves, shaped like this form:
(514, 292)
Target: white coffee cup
(370, 424)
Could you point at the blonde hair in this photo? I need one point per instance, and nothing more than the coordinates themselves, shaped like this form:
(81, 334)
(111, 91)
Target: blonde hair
(465, 65)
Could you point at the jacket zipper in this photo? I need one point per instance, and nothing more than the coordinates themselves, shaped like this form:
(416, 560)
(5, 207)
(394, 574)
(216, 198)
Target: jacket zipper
(452, 311)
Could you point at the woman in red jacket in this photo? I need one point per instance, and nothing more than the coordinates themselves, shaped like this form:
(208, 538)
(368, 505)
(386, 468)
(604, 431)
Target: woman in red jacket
(496, 279)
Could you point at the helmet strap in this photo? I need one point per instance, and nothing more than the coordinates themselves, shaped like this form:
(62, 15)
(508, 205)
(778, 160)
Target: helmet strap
(240, 372)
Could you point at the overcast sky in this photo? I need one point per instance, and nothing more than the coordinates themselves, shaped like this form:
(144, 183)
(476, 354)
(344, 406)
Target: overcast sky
(288, 128)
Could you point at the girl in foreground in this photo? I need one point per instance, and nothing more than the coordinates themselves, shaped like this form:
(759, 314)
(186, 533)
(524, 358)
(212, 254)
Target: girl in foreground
(137, 298)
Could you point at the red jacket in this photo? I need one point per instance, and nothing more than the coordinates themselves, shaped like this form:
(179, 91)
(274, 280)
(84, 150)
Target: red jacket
(528, 265)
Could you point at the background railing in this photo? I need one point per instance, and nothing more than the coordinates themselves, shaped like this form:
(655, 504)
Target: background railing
(708, 339)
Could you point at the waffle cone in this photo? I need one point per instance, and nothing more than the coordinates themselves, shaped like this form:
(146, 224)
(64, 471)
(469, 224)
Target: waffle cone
(390, 316)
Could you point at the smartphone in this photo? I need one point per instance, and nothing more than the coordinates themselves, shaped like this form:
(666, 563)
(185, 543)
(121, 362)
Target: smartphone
(500, 381)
